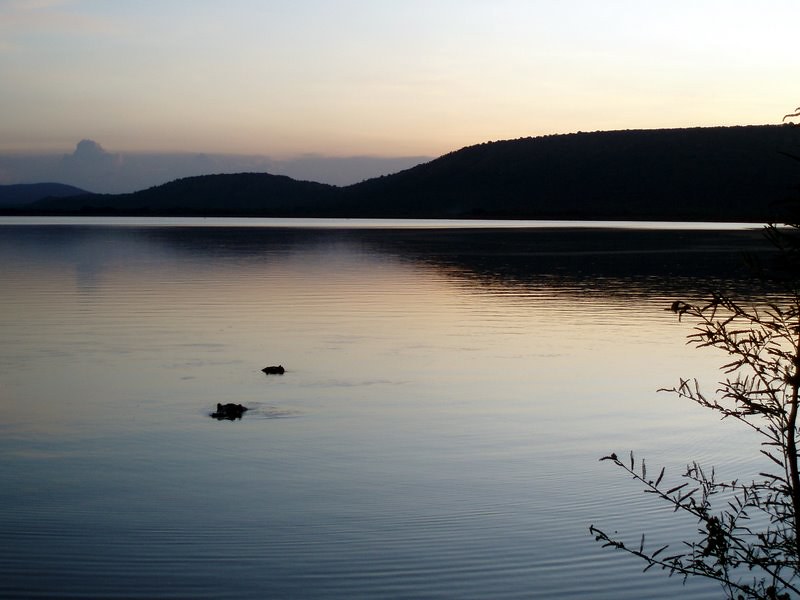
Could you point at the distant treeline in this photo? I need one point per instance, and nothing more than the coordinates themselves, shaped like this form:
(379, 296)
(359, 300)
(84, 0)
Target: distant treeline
(21, 194)
(709, 174)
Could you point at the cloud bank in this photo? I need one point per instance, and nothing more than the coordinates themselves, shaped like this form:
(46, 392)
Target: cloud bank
(95, 169)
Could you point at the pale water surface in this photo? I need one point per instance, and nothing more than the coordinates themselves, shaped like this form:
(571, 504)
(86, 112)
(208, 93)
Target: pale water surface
(436, 435)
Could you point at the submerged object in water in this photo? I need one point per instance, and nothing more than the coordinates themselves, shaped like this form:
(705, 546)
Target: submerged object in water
(279, 370)
(229, 411)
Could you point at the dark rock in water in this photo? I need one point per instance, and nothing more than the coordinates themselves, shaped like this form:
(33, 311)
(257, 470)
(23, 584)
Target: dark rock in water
(279, 370)
(229, 411)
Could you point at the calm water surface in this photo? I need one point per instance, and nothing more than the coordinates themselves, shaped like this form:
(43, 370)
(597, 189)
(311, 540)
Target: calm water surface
(436, 434)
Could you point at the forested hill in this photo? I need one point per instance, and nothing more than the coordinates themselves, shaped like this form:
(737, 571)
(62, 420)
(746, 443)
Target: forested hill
(241, 194)
(16, 195)
(714, 174)
(730, 173)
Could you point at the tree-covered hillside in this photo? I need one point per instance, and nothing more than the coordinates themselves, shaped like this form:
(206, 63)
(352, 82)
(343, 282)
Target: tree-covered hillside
(732, 173)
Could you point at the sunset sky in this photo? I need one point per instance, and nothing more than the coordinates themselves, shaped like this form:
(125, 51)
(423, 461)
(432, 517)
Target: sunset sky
(381, 77)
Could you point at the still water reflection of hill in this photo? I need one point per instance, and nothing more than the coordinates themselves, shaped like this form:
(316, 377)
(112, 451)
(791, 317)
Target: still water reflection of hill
(639, 262)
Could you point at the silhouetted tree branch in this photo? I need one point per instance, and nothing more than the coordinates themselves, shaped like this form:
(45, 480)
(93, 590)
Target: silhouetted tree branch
(751, 543)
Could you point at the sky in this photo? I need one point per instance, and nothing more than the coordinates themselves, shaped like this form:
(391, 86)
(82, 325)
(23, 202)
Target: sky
(382, 78)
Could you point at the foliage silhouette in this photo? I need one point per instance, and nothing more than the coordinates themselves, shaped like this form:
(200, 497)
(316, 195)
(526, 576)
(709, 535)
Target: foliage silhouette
(751, 543)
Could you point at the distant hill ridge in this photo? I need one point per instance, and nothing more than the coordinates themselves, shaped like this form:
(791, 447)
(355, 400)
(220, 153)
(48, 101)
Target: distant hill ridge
(20, 194)
(714, 174)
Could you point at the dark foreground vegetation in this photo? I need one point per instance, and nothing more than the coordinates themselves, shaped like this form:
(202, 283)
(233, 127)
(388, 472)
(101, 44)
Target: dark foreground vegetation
(748, 530)
(698, 174)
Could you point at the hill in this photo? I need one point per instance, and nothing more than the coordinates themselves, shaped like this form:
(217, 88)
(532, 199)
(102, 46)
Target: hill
(717, 174)
(241, 194)
(18, 195)
(713, 174)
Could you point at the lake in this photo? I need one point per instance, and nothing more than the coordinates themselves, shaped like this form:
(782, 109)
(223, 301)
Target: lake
(449, 389)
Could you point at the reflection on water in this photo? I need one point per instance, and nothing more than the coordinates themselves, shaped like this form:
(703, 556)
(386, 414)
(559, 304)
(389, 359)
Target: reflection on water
(436, 432)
